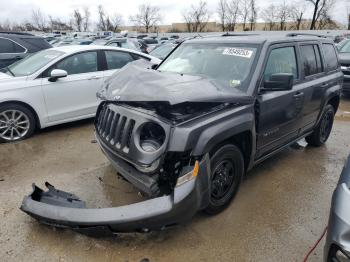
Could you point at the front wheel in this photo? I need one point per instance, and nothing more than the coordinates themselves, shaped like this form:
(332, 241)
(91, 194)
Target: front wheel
(321, 133)
(227, 168)
(16, 122)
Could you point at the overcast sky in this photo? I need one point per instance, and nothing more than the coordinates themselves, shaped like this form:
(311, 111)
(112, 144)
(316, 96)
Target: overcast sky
(171, 10)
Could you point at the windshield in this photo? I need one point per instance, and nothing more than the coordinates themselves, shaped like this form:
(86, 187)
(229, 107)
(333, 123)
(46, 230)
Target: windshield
(345, 48)
(227, 64)
(33, 63)
(162, 51)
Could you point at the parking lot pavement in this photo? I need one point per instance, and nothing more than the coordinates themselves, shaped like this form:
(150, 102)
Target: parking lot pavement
(344, 109)
(278, 214)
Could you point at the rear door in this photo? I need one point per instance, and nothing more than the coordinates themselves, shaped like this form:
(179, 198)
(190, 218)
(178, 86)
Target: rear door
(74, 96)
(10, 52)
(279, 111)
(313, 84)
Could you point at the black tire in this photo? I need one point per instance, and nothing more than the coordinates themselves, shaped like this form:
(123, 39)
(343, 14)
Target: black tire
(227, 169)
(321, 133)
(28, 122)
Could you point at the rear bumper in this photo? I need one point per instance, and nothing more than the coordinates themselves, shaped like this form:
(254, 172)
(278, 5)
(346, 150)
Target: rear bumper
(338, 236)
(61, 209)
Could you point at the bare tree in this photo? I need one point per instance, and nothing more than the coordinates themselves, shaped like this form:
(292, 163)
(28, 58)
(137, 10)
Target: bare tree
(321, 8)
(324, 19)
(222, 9)
(233, 13)
(147, 17)
(245, 9)
(86, 19)
(269, 16)
(297, 12)
(252, 14)
(78, 20)
(283, 14)
(197, 17)
(38, 19)
(117, 21)
(102, 19)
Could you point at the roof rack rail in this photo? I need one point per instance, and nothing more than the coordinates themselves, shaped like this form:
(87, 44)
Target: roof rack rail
(15, 33)
(238, 34)
(305, 34)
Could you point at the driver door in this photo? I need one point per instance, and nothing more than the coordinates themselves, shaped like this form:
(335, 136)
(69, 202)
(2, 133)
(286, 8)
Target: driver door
(73, 97)
(280, 112)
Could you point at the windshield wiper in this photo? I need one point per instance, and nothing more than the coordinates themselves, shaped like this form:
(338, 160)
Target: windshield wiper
(9, 70)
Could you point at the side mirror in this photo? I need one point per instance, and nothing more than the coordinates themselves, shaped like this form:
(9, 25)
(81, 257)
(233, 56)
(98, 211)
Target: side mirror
(279, 82)
(56, 74)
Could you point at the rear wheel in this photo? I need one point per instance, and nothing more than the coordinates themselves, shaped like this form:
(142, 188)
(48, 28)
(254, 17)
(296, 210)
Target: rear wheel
(321, 133)
(227, 168)
(16, 122)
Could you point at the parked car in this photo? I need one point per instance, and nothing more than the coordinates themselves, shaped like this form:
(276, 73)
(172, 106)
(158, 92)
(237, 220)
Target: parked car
(337, 247)
(14, 47)
(344, 58)
(342, 43)
(185, 133)
(55, 86)
(150, 42)
(161, 51)
(128, 43)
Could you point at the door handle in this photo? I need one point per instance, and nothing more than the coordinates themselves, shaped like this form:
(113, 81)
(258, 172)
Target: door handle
(94, 78)
(324, 85)
(298, 94)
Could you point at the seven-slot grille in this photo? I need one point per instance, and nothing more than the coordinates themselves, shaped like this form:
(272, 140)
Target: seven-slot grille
(115, 128)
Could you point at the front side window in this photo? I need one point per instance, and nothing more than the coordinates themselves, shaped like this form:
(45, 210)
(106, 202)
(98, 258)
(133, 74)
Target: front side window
(35, 62)
(228, 65)
(281, 60)
(330, 57)
(116, 60)
(79, 63)
(9, 47)
(311, 60)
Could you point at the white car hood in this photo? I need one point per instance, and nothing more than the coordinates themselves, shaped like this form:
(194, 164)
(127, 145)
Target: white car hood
(4, 76)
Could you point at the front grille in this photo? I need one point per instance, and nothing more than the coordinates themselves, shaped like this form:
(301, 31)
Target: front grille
(115, 129)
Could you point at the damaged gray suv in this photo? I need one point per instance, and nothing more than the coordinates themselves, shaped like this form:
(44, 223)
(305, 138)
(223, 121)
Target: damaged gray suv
(186, 131)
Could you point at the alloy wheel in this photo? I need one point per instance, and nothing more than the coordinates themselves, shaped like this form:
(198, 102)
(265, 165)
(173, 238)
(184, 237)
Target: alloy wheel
(14, 125)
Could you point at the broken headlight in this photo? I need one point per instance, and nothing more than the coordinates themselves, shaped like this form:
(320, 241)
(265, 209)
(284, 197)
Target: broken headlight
(152, 137)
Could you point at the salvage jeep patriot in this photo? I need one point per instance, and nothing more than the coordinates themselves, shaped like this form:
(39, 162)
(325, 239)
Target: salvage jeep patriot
(186, 131)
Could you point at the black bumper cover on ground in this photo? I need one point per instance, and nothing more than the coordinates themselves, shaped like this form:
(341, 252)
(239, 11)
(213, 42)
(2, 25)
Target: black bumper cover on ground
(64, 210)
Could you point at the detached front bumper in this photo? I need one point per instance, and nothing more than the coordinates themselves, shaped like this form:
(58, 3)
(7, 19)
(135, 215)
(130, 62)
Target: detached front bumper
(64, 210)
(337, 247)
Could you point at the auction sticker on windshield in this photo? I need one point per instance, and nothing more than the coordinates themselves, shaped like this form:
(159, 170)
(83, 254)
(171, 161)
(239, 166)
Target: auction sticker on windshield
(238, 52)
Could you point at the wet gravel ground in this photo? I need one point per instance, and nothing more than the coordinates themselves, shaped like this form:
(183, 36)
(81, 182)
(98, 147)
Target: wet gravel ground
(278, 214)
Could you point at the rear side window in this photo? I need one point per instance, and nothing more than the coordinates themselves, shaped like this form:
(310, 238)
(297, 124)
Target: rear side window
(281, 60)
(36, 44)
(330, 57)
(8, 46)
(311, 59)
(116, 60)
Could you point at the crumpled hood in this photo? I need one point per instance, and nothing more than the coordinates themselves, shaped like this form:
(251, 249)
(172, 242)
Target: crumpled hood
(344, 58)
(137, 82)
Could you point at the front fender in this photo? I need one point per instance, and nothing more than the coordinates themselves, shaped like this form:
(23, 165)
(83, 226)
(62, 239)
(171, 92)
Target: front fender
(222, 131)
